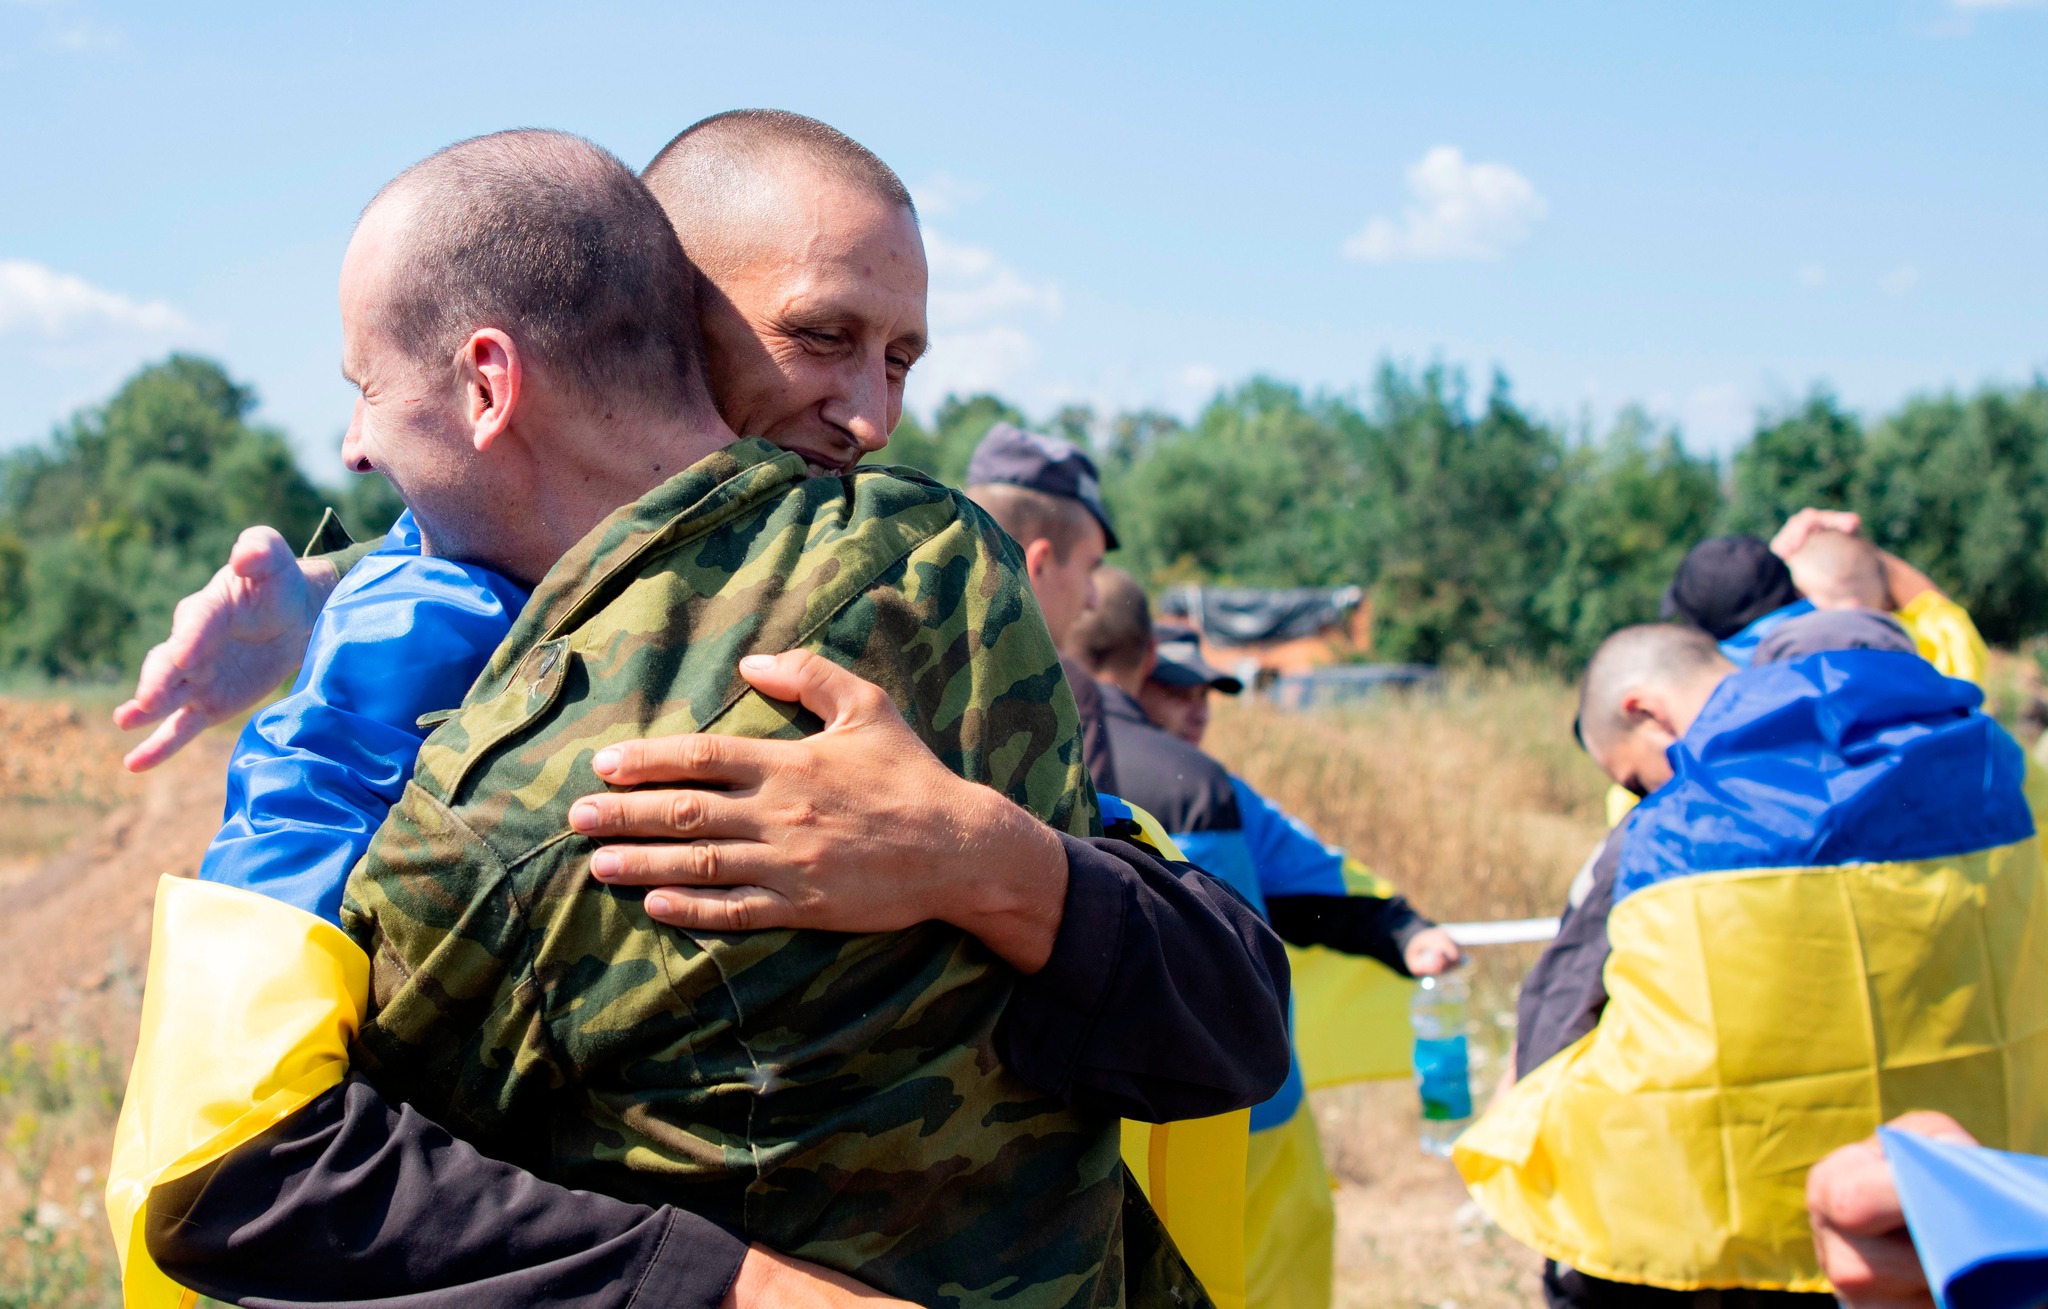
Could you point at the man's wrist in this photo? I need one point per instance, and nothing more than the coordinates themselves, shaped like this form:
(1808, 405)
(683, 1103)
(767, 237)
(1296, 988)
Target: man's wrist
(1011, 893)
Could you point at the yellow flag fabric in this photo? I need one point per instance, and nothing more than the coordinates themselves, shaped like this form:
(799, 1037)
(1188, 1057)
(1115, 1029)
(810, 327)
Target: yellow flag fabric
(1350, 1013)
(1756, 1020)
(1946, 636)
(1290, 1221)
(1193, 1172)
(247, 1014)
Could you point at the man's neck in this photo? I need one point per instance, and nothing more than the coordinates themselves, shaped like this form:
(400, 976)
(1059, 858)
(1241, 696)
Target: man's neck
(1130, 682)
(571, 478)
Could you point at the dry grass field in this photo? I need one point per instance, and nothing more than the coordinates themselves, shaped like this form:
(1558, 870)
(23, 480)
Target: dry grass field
(1474, 802)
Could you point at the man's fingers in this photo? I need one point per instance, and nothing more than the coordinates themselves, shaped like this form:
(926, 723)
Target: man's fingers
(718, 909)
(690, 757)
(1933, 1125)
(260, 552)
(689, 863)
(839, 697)
(166, 740)
(690, 814)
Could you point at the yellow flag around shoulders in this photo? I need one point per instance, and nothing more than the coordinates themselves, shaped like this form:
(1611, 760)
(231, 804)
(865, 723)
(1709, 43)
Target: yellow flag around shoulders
(247, 1014)
(1757, 1020)
(1193, 1171)
(1946, 636)
(1351, 1013)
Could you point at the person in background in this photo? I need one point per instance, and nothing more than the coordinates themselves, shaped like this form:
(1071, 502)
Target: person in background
(1833, 846)
(1044, 491)
(1837, 569)
(1175, 695)
(1285, 872)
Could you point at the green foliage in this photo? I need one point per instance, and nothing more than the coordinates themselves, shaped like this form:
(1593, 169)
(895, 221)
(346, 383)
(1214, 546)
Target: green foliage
(129, 507)
(56, 1102)
(1632, 506)
(1808, 457)
(944, 449)
(1482, 533)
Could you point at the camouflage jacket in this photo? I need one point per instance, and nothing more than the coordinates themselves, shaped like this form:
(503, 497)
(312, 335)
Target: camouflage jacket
(835, 1097)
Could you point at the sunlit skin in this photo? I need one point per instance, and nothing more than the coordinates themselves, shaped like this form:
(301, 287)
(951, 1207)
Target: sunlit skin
(1065, 588)
(1180, 710)
(1637, 758)
(809, 336)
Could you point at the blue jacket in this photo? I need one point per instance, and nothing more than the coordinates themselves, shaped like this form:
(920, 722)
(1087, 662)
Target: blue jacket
(313, 775)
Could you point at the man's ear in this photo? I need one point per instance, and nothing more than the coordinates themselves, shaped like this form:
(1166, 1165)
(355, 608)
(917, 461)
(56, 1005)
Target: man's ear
(1642, 705)
(1037, 558)
(493, 377)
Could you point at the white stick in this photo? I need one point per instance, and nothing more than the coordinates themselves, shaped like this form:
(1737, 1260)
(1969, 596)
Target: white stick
(1512, 932)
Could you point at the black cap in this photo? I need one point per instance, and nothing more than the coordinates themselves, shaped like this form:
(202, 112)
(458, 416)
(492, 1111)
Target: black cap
(1047, 464)
(1181, 665)
(1725, 583)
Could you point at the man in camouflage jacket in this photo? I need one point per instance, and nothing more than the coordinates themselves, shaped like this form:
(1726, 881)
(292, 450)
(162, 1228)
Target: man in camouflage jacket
(835, 1097)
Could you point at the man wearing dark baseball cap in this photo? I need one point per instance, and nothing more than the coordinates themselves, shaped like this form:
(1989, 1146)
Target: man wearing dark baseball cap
(1175, 694)
(1736, 591)
(1045, 493)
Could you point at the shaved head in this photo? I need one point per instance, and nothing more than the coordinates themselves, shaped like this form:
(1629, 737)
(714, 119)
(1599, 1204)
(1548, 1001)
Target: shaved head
(1838, 571)
(722, 178)
(812, 295)
(553, 240)
(1642, 691)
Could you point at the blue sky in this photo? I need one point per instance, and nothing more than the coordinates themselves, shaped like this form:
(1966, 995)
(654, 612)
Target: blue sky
(1703, 208)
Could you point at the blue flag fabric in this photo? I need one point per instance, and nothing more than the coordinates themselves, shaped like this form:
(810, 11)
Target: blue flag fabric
(1979, 1218)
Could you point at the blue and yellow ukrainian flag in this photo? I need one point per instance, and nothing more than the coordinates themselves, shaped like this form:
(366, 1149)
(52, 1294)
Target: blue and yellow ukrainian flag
(1832, 914)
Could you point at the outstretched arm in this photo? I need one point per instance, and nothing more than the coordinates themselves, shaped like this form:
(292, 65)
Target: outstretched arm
(231, 643)
(402, 1211)
(1131, 965)
(1859, 1229)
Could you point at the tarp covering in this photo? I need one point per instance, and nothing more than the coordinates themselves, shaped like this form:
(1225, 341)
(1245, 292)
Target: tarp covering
(1229, 615)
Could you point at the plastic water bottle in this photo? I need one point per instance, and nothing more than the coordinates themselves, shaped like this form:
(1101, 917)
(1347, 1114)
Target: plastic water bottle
(1441, 1071)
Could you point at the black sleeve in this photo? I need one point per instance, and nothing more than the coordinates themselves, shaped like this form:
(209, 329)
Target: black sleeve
(1165, 996)
(1564, 994)
(351, 1202)
(1355, 924)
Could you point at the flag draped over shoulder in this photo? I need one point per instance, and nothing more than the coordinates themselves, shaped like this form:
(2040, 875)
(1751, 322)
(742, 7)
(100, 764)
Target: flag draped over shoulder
(1833, 913)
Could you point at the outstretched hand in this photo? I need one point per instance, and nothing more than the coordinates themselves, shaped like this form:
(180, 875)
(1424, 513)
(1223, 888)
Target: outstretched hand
(231, 643)
(858, 828)
(1859, 1230)
(1431, 951)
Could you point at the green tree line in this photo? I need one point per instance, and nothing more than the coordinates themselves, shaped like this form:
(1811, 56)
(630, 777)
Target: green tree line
(1482, 532)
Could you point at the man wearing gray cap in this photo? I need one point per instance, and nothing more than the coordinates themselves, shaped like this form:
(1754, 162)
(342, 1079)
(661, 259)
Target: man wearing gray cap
(1047, 495)
(1176, 692)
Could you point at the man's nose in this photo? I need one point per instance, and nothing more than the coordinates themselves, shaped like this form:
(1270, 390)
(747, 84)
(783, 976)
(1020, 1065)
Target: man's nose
(864, 414)
(353, 456)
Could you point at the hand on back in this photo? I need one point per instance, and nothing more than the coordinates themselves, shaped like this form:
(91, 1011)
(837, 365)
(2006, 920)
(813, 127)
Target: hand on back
(859, 828)
(231, 643)
(768, 1280)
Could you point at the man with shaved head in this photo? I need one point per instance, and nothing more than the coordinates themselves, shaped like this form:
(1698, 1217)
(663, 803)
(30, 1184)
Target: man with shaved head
(520, 394)
(1834, 858)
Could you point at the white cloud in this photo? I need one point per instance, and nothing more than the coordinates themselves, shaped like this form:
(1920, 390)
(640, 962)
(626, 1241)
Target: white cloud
(942, 195)
(1900, 280)
(971, 285)
(1201, 378)
(1810, 275)
(984, 315)
(1461, 211)
(54, 305)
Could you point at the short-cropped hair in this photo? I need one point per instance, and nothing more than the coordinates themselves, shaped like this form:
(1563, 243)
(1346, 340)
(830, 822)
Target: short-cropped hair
(554, 241)
(1029, 515)
(1652, 655)
(1116, 635)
